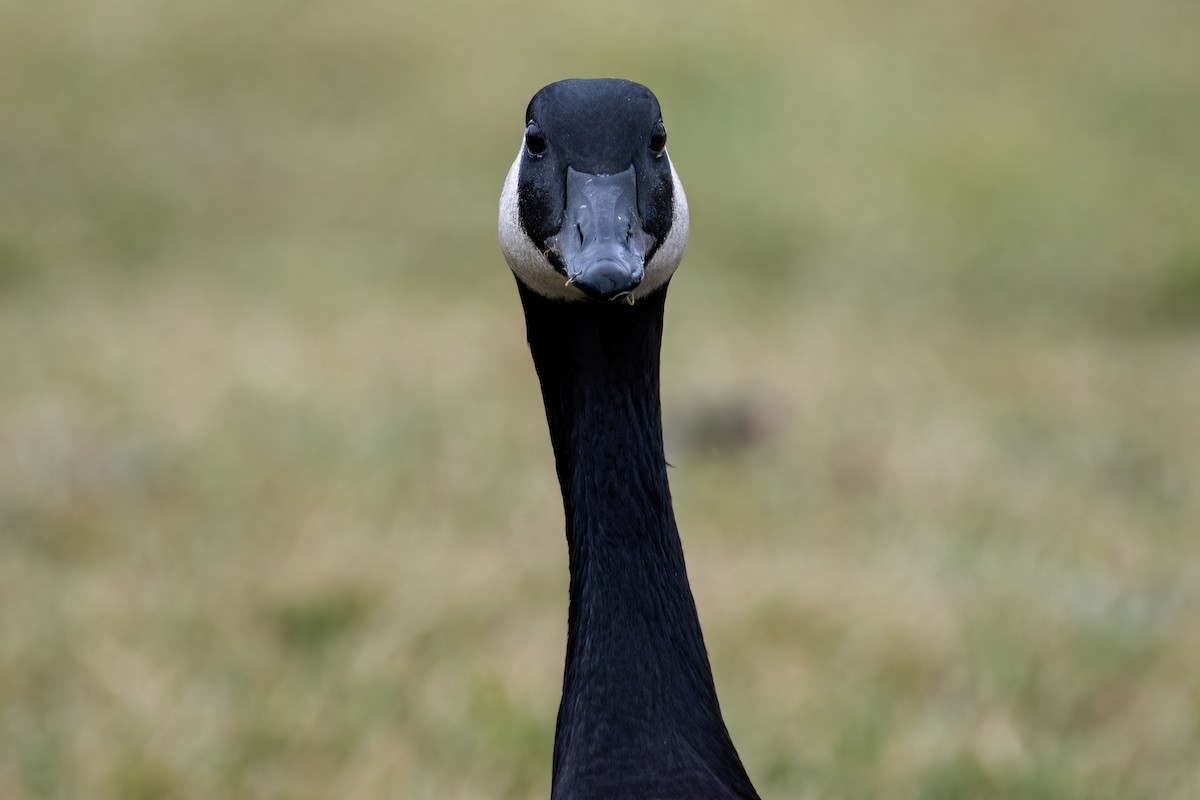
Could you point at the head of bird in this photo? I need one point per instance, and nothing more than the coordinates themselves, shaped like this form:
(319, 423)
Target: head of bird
(592, 208)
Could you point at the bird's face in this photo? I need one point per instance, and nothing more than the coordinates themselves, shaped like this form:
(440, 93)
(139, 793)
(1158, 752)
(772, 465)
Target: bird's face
(592, 208)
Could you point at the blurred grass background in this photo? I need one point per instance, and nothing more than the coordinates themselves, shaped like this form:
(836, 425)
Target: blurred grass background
(277, 508)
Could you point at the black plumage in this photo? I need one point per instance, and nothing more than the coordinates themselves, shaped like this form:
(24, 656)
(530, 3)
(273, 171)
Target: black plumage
(592, 198)
(639, 716)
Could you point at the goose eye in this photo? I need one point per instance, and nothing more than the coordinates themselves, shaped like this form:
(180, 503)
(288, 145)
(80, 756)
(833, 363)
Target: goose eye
(658, 138)
(535, 140)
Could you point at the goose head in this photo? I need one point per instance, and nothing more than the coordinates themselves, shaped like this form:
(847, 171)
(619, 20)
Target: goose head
(592, 209)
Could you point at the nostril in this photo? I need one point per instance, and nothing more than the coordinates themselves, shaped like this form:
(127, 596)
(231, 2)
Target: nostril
(580, 231)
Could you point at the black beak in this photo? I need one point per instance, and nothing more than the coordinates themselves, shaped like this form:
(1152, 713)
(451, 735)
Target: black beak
(601, 242)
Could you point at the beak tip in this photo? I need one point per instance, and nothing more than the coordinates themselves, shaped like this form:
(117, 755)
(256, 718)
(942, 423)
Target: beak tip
(608, 280)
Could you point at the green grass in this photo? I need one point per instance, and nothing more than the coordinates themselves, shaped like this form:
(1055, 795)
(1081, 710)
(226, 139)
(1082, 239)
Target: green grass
(277, 507)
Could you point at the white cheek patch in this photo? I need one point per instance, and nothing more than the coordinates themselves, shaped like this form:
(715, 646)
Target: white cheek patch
(533, 269)
(670, 252)
(527, 262)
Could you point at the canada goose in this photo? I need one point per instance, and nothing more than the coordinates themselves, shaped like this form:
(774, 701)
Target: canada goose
(593, 222)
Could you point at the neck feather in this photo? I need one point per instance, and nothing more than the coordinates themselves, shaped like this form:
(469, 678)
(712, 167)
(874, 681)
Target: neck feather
(639, 713)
